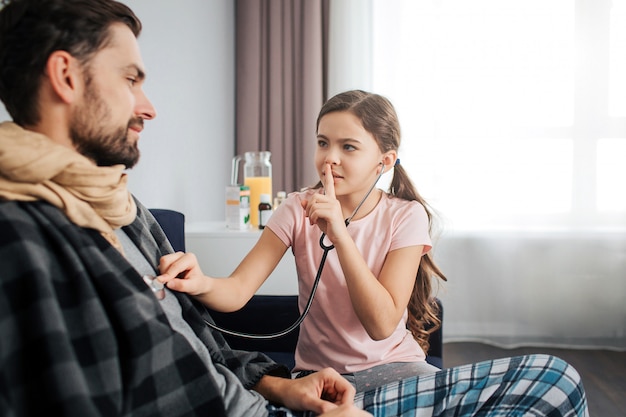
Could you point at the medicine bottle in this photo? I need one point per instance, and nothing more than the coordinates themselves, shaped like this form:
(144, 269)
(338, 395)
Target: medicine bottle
(280, 197)
(265, 210)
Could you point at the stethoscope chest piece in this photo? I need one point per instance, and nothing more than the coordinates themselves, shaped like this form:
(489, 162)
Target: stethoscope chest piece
(155, 285)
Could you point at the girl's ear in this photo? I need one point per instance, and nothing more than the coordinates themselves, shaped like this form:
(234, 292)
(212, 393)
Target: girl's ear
(64, 72)
(389, 159)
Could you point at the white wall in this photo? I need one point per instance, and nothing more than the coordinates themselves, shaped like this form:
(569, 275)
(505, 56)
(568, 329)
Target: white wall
(189, 52)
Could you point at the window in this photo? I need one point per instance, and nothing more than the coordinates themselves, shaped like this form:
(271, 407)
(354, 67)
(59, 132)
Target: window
(513, 112)
(617, 79)
(611, 196)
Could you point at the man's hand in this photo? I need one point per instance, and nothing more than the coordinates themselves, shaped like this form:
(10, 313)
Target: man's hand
(319, 392)
(346, 410)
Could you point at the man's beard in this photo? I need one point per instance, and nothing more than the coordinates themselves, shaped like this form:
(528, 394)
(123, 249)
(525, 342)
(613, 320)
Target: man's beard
(92, 139)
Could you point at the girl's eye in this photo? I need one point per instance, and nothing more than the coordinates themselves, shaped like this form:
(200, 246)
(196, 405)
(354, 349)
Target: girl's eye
(322, 144)
(349, 147)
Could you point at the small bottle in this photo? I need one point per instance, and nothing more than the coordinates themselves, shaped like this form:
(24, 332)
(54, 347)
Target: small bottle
(280, 197)
(265, 210)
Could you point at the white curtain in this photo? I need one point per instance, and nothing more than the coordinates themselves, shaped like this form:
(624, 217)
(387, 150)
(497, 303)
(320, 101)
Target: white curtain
(514, 129)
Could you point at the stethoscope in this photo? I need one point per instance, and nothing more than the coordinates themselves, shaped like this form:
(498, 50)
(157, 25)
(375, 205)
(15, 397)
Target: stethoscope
(159, 290)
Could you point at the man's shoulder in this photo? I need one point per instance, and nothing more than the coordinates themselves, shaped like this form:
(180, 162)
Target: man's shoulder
(25, 249)
(28, 227)
(27, 213)
(17, 216)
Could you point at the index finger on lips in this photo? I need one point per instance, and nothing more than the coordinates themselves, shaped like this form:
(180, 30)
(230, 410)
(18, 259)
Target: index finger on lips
(329, 182)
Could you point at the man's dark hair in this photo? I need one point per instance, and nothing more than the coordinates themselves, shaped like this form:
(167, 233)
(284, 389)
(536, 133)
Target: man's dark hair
(30, 30)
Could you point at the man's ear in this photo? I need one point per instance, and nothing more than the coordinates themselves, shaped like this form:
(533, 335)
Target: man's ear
(65, 75)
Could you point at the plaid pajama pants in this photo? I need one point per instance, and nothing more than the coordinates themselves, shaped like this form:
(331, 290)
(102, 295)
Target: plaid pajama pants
(531, 385)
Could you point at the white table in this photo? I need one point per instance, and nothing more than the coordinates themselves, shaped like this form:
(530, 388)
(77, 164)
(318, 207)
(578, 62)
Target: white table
(219, 250)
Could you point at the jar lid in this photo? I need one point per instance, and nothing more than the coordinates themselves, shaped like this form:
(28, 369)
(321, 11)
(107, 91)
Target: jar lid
(265, 198)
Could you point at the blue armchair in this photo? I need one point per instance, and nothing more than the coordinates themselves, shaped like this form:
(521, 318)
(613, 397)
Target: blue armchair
(173, 224)
(266, 314)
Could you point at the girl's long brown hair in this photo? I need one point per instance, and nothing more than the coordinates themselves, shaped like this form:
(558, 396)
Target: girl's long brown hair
(379, 118)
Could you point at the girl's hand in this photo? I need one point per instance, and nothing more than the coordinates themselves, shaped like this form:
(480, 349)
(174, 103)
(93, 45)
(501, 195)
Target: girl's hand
(181, 272)
(324, 210)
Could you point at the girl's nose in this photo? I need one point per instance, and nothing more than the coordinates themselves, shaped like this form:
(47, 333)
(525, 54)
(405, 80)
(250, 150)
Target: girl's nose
(331, 158)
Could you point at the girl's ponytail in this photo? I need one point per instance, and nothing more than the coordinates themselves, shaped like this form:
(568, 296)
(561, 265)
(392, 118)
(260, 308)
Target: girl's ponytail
(423, 310)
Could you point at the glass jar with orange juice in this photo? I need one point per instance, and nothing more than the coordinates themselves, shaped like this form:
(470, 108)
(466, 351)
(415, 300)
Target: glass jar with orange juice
(257, 174)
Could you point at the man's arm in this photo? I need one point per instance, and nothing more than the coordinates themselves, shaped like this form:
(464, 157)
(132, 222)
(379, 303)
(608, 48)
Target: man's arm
(319, 392)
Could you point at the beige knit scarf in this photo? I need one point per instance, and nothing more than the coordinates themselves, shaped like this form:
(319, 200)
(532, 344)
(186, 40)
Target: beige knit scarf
(33, 167)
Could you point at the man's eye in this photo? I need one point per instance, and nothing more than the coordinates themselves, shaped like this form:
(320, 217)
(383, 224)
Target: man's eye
(131, 80)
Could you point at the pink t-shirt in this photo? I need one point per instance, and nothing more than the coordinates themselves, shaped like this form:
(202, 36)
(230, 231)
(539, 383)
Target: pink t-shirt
(332, 335)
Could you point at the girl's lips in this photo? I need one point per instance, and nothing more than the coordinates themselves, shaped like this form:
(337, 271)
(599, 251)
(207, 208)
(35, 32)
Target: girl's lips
(335, 176)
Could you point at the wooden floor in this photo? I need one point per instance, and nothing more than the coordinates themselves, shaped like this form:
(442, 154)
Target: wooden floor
(603, 372)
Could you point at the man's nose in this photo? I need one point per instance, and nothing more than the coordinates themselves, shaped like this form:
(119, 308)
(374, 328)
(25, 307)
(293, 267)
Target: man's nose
(144, 107)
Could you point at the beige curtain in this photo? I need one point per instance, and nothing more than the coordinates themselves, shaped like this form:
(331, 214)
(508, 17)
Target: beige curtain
(280, 84)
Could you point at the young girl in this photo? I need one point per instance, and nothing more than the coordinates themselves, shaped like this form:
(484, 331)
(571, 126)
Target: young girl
(369, 316)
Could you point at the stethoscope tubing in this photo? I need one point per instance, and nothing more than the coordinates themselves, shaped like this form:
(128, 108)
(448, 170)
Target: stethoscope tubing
(289, 329)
